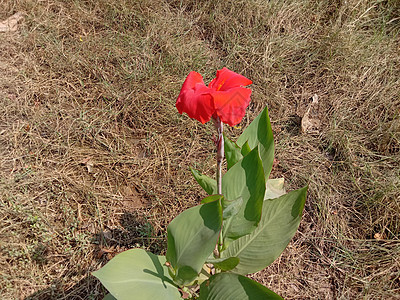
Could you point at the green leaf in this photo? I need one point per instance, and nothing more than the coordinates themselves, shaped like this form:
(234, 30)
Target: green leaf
(212, 198)
(207, 183)
(109, 297)
(228, 286)
(232, 152)
(224, 264)
(279, 222)
(244, 180)
(245, 149)
(192, 236)
(140, 273)
(275, 188)
(231, 208)
(259, 132)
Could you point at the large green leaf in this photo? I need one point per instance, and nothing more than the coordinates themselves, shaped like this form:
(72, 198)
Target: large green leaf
(245, 149)
(244, 180)
(192, 237)
(139, 273)
(232, 152)
(231, 208)
(212, 198)
(279, 222)
(228, 286)
(275, 188)
(207, 183)
(259, 132)
(224, 264)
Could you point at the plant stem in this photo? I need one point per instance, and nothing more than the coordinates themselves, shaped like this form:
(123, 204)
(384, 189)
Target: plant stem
(220, 153)
(220, 157)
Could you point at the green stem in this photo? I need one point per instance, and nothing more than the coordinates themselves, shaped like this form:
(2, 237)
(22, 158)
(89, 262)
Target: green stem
(220, 153)
(220, 157)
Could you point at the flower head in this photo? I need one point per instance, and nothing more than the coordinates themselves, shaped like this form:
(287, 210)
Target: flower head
(225, 97)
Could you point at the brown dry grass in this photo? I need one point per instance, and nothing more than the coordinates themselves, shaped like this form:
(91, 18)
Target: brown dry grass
(94, 156)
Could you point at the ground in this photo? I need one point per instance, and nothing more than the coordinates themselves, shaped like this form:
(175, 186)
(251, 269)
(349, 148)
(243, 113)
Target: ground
(95, 157)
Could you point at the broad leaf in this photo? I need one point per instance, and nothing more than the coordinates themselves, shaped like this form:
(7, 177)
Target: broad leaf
(245, 149)
(279, 222)
(259, 132)
(109, 297)
(231, 208)
(207, 183)
(275, 188)
(244, 180)
(232, 152)
(140, 273)
(224, 264)
(204, 274)
(228, 286)
(212, 198)
(192, 236)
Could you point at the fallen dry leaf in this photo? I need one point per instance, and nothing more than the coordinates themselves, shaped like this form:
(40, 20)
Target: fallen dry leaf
(108, 253)
(11, 24)
(310, 122)
(88, 162)
(132, 199)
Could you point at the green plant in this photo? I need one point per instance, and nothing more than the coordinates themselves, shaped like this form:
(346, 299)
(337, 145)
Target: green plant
(240, 228)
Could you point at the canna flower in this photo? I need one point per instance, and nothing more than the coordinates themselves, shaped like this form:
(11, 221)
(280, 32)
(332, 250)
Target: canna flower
(224, 98)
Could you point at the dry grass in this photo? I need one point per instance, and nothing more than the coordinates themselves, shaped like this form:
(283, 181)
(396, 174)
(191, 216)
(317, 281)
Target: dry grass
(94, 156)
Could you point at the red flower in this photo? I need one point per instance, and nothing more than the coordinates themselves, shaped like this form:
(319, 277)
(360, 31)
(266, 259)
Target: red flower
(225, 97)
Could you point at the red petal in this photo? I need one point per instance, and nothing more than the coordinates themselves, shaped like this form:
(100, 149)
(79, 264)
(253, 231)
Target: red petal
(231, 105)
(227, 79)
(195, 99)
